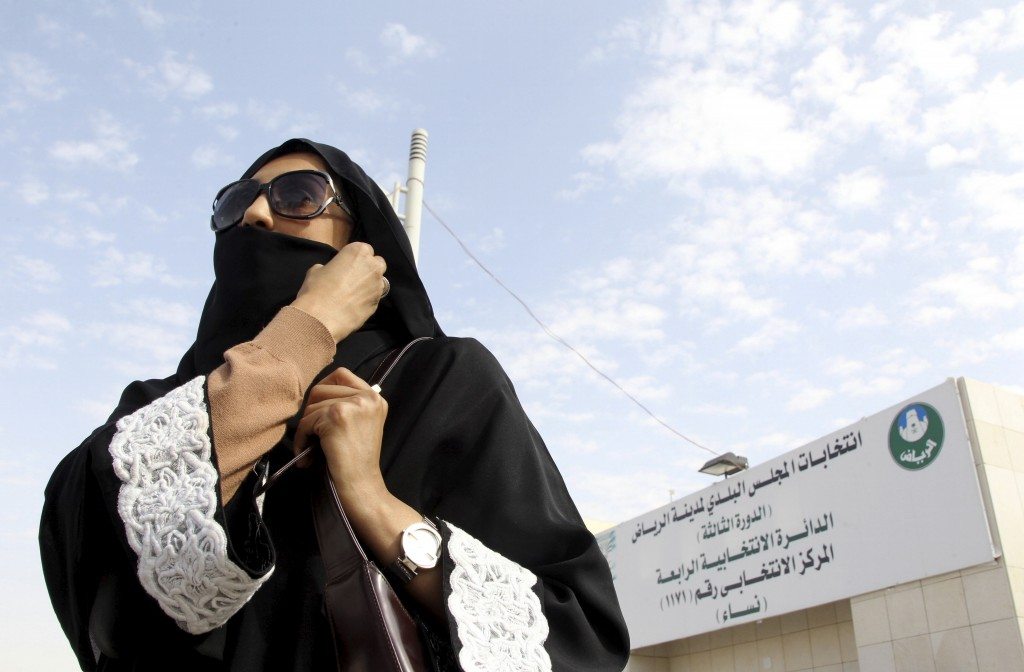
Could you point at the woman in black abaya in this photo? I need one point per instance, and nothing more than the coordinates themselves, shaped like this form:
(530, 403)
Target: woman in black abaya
(155, 560)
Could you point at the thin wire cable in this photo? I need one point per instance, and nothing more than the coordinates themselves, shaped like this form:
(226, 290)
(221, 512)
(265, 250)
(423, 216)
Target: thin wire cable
(559, 338)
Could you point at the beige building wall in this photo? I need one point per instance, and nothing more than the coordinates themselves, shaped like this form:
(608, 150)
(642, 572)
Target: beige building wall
(966, 621)
(819, 639)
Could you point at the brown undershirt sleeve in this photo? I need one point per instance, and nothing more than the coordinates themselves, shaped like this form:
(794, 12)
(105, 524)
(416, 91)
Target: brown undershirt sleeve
(259, 387)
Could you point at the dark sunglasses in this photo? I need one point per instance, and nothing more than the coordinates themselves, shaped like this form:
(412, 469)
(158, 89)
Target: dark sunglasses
(300, 194)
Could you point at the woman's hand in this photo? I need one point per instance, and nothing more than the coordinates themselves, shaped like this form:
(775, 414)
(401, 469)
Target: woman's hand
(344, 292)
(348, 416)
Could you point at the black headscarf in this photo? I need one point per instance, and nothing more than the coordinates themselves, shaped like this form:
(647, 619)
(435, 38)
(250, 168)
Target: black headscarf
(258, 272)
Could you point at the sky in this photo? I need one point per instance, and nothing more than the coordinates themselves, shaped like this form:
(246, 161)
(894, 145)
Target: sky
(763, 219)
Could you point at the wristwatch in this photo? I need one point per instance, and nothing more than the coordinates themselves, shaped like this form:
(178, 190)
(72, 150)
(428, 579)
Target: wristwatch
(421, 548)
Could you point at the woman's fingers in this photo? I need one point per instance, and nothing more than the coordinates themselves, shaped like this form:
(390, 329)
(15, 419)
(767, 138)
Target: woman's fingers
(302, 433)
(322, 391)
(339, 383)
(343, 376)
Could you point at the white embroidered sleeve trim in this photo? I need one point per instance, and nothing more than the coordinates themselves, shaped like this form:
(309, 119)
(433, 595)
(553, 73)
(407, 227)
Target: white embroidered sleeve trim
(168, 497)
(498, 616)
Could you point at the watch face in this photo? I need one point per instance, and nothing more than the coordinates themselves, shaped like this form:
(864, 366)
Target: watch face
(421, 545)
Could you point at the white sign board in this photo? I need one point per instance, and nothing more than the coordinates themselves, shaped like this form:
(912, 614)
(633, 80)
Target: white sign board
(890, 499)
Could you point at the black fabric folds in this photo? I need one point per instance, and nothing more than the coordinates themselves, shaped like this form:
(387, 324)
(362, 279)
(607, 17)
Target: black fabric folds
(457, 446)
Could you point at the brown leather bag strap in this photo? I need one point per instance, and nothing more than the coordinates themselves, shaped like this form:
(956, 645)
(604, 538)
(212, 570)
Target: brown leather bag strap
(333, 531)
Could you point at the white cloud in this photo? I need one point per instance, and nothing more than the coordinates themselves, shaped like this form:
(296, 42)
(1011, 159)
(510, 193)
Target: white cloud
(971, 291)
(997, 198)
(73, 236)
(906, 363)
(625, 36)
(33, 340)
(915, 231)
(160, 346)
(720, 409)
(831, 74)
(646, 388)
(109, 148)
(885, 387)
(686, 122)
(810, 398)
(710, 266)
(855, 252)
(115, 267)
(946, 155)
(763, 446)
(492, 241)
(59, 35)
(983, 264)
(614, 317)
(534, 360)
(1010, 340)
(148, 15)
(886, 105)
(405, 45)
(96, 410)
(365, 100)
(857, 190)
(226, 132)
(946, 53)
(559, 412)
(843, 366)
(837, 25)
(28, 79)
(279, 116)
(572, 443)
(765, 338)
(33, 191)
(174, 76)
(943, 61)
(209, 156)
(867, 315)
(746, 33)
(619, 494)
(930, 315)
(358, 59)
(981, 121)
(154, 310)
(584, 182)
(36, 274)
(219, 111)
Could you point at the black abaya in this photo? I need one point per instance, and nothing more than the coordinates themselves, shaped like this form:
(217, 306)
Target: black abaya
(148, 570)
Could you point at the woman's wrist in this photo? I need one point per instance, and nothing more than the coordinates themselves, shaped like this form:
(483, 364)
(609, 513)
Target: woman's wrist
(338, 332)
(361, 494)
(378, 518)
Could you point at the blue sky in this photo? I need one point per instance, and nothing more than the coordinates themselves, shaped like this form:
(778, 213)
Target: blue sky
(765, 219)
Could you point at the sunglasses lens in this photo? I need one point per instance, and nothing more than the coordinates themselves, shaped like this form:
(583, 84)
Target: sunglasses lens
(232, 202)
(298, 194)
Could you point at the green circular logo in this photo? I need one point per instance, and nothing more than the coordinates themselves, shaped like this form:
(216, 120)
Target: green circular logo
(915, 437)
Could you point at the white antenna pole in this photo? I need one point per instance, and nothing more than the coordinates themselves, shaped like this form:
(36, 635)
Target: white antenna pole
(414, 190)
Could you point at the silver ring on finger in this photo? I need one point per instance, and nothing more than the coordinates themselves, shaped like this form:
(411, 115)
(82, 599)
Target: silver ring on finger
(387, 287)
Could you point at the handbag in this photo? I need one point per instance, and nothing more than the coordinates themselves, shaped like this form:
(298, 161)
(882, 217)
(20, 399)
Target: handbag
(373, 631)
